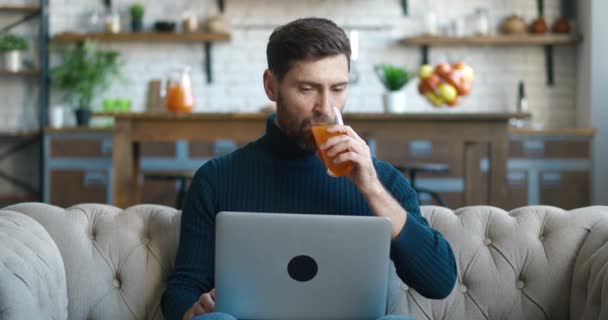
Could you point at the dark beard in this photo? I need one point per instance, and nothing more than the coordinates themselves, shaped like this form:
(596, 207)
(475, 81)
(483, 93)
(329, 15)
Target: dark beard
(300, 133)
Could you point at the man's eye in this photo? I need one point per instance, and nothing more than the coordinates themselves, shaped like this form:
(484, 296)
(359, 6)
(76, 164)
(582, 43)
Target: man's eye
(338, 90)
(305, 90)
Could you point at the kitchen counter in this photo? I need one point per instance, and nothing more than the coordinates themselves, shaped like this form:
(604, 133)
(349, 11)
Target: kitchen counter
(472, 131)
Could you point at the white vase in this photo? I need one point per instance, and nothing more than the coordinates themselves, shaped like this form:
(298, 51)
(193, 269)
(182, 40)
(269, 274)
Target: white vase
(12, 60)
(394, 101)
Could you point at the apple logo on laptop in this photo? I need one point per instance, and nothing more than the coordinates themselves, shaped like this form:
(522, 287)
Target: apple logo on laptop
(302, 268)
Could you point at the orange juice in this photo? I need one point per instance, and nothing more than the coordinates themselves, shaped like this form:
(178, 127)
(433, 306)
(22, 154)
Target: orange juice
(335, 169)
(179, 98)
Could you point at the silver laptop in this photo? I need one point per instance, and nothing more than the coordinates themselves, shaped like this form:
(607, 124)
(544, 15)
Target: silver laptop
(301, 266)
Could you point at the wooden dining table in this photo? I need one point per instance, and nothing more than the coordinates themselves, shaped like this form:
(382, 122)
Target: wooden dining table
(475, 131)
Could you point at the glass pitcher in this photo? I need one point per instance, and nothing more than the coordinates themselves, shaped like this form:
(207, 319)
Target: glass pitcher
(177, 91)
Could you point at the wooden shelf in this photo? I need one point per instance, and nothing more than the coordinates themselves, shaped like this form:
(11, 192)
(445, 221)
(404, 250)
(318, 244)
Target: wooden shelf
(144, 36)
(499, 40)
(546, 40)
(19, 134)
(18, 197)
(19, 9)
(196, 37)
(578, 132)
(27, 72)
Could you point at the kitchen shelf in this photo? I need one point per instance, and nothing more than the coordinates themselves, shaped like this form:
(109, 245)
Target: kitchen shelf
(546, 40)
(26, 72)
(501, 40)
(196, 37)
(144, 36)
(20, 9)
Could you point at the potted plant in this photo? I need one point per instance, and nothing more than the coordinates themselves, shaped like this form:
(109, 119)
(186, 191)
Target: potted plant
(394, 79)
(137, 17)
(85, 70)
(11, 46)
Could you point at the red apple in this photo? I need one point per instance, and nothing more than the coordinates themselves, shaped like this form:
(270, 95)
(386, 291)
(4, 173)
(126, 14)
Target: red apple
(454, 102)
(464, 88)
(443, 69)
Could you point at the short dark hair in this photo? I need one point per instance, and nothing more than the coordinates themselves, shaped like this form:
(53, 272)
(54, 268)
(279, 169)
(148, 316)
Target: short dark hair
(304, 39)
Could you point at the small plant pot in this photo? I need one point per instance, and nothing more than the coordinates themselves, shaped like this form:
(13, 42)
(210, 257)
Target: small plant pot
(137, 25)
(83, 117)
(12, 60)
(394, 102)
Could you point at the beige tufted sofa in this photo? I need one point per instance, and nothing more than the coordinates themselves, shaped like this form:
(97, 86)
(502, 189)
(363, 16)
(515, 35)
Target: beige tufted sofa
(100, 262)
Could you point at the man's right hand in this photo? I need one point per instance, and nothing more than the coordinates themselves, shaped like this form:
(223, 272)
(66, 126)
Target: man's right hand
(205, 304)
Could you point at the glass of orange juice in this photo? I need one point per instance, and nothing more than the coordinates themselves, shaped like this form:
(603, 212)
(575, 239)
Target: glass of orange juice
(319, 131)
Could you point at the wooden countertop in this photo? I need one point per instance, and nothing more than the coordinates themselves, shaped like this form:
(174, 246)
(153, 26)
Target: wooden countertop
(581, 132)
(78, 130)
(456, 116)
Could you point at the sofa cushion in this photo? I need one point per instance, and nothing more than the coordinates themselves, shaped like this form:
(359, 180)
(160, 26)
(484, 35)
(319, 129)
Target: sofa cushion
(32, 274)
(117, 261)
(515, 265)
(590, 279)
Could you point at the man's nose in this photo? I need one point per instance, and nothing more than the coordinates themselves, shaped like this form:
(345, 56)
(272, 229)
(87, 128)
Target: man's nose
(324, 104)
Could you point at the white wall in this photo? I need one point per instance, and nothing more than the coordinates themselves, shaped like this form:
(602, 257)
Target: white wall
(238, 65)
(592, 97)
(599, 100)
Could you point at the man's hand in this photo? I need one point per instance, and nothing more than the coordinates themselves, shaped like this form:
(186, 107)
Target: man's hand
(350, 147)
(205, 304)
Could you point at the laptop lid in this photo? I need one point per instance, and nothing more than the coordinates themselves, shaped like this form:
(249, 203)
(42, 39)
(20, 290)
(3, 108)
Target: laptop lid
(301, 266)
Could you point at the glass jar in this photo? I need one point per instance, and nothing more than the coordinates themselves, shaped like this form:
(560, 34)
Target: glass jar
(177, 91)
(481, 22)
(112, 22)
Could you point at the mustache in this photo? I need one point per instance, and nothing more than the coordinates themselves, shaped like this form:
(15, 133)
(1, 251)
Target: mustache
(317, 118)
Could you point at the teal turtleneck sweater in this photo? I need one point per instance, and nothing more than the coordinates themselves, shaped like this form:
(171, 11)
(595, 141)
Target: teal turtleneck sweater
(273, 174)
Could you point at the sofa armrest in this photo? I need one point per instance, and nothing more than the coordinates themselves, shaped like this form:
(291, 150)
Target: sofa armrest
(32, 274)
(589, 299)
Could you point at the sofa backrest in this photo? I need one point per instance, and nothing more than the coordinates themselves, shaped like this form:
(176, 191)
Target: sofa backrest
(515, 265)
(116, 261)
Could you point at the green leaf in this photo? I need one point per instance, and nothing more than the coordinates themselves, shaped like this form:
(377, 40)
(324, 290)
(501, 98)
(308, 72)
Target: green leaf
(84, 72)
(392, 77)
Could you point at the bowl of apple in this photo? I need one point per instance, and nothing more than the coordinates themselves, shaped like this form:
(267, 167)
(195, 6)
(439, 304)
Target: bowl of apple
(445, 84)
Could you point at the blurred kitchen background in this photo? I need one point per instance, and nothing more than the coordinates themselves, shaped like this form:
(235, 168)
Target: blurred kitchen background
(556, 154)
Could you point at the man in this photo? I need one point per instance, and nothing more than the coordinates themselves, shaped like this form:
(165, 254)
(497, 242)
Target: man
(307, 75)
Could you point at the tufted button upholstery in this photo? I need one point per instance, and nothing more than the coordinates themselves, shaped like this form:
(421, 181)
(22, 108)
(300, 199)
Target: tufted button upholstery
(462, 288)
(116, 276)
(505, 271)
(32, 273)
(121, 274)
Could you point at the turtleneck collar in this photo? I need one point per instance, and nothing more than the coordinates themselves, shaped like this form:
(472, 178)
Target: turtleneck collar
(281, 145)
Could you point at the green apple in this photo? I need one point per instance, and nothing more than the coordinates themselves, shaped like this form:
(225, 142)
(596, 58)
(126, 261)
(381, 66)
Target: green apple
(426, 70)
(447, 92)
(434, 99)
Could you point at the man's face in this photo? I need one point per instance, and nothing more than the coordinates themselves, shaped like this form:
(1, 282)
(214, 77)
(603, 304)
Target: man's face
(307, 95)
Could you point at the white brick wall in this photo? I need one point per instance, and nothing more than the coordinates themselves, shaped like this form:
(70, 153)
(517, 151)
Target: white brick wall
(238, 65)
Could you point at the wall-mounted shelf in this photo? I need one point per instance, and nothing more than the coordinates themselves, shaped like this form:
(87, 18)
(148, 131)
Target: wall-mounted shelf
(24, 139)
(20, 9)
(500, 40)
(28, 72)
(29, 11)
(201, 37)
(547, 40)
(144, 36)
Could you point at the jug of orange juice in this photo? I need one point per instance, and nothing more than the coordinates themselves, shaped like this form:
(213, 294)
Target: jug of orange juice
(177, 91)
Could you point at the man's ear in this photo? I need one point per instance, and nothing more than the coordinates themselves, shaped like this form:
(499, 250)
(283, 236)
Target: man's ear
(270, 85)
